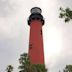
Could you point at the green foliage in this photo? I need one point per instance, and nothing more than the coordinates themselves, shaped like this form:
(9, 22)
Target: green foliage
(24, 63)
(68, 68)
(39, 68)
(26, 66)
(66, 14)
(9, 68)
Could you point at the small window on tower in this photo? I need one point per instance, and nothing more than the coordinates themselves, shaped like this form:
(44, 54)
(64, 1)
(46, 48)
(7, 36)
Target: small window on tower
(30, 46)
(41, 32)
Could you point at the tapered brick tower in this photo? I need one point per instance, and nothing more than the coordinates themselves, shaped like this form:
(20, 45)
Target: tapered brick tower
(36, 51)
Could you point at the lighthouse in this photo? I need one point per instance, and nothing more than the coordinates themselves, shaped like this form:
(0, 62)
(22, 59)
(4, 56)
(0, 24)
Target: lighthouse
(36, 49)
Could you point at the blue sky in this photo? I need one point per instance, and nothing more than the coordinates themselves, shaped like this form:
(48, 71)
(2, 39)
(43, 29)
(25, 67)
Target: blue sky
(14, 32)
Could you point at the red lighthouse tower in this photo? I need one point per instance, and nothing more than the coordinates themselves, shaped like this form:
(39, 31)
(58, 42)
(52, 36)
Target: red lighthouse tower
(36, 21)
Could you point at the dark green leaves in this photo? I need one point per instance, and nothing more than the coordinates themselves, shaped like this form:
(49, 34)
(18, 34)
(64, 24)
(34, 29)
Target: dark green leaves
(68, 68)
(9, 68)
(26, 66)
(66, 14)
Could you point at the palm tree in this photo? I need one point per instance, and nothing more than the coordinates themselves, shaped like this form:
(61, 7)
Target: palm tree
(26, 66)
(24, 63)
(9, 68)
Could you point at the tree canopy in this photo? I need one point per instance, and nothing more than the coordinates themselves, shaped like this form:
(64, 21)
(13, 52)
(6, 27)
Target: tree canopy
(26, 66)
(68, 68)
(9, 68)
(66, 14)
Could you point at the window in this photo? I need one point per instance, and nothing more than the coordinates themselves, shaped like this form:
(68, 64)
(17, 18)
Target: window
(41, 32)
(30, 46)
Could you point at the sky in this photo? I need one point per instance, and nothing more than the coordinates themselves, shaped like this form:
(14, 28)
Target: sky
(14, 33)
